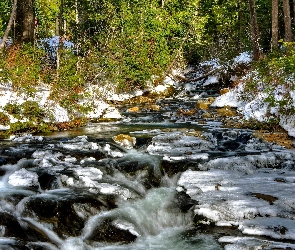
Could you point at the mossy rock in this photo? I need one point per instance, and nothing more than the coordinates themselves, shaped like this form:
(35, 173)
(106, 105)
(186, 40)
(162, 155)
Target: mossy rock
(207, 115)
(203, 104)
(133, 110)
(226, 112)
(280, 138)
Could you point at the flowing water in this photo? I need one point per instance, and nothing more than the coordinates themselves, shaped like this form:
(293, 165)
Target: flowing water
(80, 190)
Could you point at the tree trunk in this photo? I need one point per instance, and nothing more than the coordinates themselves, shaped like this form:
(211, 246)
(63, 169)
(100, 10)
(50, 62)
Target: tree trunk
(275, 25)
(61, 23)
(25, 21)
(8, 28)
(287, 21)
(255, 34)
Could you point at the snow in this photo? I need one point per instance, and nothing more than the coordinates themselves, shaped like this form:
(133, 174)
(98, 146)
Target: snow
(178, 144)
(231, 98)
(245, 192)
(23, 177)
(243, 58)
(288, 123)
(211, 80)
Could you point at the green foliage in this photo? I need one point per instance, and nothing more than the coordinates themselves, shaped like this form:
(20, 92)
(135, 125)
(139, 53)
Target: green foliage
(5, 8)
(22, 65)
(28, 127)
(12, 109)
(4, 119)
(130, 40)
(46, 13)
(69, 85)
(32, 111)
(29, 110)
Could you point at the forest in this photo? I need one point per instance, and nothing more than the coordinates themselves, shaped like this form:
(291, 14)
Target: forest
(70, 44)
(147, 124)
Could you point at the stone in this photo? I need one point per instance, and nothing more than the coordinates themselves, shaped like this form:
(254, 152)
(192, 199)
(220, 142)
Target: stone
(125, 141)
(133, 110)
(226, 112)
(224, 91)
(203, 104)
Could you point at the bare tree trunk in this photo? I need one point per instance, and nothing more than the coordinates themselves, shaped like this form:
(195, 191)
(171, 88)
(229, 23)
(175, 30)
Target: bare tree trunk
(255, 33)
(61, 23)
(8, 28)
(25, 21)
(275, 25)
(287, 21)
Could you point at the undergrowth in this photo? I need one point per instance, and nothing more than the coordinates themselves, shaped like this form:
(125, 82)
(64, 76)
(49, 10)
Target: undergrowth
(274, 76)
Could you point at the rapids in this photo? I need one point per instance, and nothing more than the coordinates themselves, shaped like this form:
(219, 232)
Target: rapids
(187, 183)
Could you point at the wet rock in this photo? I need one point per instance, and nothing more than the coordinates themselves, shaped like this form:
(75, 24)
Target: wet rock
(107, 232)
(269, 198)
(2, 171)
(60, 210)
(184, 201)
(173, 167)
(244, 137)
(3, 160)
(47, 181)
(230, 145)
(142, 142)
(10, 226)
(146, 169)
(178, 144)
(11, 244)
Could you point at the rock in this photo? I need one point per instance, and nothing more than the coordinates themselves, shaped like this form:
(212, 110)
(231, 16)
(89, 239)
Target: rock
(224, 91)
(179, 145)
(12, 227)
(125, 140)
(61, 210)
(226, 112)
(187, 112)
(107, 232)
(46, 181)
(23, 177)
(133, 110)
(152, 107)
(204, 105)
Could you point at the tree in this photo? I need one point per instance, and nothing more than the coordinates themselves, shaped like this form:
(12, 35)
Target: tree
(287, 21)
(12, 18)
(274, 24)
(25, 21)
(255, 33)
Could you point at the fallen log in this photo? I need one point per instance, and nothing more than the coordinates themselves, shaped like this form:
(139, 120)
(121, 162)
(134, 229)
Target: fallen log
(205, 75)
